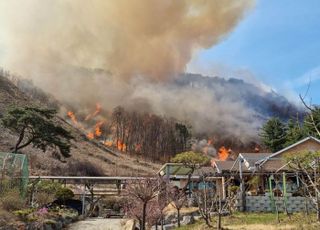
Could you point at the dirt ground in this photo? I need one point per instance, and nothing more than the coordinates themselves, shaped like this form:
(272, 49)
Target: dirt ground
(98, 224)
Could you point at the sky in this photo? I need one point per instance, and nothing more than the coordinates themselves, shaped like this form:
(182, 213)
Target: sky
(276, 45)
(278, 42)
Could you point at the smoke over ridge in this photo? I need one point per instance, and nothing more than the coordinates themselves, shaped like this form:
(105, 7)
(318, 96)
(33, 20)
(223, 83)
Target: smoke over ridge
(143, 43)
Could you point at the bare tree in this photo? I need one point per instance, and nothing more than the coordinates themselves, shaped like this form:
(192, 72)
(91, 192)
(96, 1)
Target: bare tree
(140, 193)
(307, 165)
(205, 199)
(178, 199)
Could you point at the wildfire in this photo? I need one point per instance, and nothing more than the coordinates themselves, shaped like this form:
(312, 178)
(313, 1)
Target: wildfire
(90, 135)
(108, 143)
(72, 116)
(121, 146)
(95, 113)
(97, 129)
(223, 153)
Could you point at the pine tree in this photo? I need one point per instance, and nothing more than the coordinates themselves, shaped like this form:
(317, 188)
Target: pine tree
(312, 122)
(36, 126)
(295, 132)
(273, 134)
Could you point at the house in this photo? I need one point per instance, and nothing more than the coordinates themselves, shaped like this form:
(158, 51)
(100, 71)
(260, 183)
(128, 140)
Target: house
(179, 174)
(264, 176)
(265, 179)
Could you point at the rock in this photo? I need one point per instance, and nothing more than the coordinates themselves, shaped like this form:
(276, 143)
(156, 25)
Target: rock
(68, 220)
(47, 227)
(170, 219)
(169, 226)
(187, 220)
(129, 225)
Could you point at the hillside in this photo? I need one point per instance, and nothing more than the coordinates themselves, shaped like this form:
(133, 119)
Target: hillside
(265, 103)
(88, 157)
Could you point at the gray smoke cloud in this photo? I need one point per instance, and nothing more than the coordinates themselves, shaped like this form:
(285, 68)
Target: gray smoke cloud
(143, 43)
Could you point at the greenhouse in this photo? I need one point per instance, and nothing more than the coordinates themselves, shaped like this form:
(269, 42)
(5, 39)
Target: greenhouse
(14, 173)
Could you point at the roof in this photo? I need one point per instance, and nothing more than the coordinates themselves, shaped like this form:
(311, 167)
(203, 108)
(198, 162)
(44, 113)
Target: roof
(174, 169)
(203, 171)
(223, 165)
(251, 159)
(262, 161)
(275, 165)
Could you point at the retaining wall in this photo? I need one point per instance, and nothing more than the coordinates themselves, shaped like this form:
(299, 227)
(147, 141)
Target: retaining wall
(266, 204)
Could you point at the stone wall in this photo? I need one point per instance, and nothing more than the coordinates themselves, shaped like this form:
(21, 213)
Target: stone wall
(265, 204)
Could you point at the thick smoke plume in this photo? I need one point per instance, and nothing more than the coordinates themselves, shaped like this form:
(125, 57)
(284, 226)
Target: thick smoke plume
(152, 38)
(143, 44)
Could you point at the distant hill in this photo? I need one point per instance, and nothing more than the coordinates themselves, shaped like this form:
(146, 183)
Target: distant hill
(89, 158)
(265, 103)
(232, 117)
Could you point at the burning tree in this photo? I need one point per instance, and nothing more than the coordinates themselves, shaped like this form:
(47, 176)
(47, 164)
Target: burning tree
(36, 126)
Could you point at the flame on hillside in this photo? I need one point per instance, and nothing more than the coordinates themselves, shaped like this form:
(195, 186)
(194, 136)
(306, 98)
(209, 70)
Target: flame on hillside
(121, 146)
(223, 153)
(96, 131)
(95, 113)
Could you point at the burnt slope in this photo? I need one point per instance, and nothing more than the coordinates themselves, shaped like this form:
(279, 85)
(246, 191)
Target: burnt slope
(88, 158)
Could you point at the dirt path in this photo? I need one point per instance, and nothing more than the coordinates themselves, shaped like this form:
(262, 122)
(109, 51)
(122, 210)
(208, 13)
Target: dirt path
(97, 224)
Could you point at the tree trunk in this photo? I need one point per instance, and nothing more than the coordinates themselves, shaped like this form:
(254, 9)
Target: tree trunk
(219, 221)
(207, 219)
(143, 227)
(21, 136)
(318, 210)
(219, 215)
(161, 222)
(178, 217)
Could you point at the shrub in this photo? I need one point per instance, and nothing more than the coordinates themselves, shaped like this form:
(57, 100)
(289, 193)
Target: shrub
(43, 192)
(64, 194)
(11, 201)
(5, 217)
(43, 198)
(23, 214)
(84, 168)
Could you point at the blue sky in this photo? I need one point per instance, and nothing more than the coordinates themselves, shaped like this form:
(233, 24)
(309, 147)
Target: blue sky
(278, 42)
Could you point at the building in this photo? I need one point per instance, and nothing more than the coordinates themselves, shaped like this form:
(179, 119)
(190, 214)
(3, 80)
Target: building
(265, 180)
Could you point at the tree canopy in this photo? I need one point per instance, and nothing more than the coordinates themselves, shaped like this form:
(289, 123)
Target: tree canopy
(191, 159)
(36, 126)
(294, 132)
(273, 134)
(312, 121)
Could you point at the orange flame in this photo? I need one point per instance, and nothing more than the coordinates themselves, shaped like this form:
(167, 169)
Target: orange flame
(95, 113)
(121, 146)
(223, 153)
(108, 143)
(90, 135)
(72, 116)
(97, 129)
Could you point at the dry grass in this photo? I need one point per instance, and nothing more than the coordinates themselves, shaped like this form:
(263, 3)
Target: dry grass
(11, 201)
(261, 221)
(101, 161)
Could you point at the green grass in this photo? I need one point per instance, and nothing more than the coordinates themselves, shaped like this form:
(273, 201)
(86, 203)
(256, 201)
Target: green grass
(266, 221)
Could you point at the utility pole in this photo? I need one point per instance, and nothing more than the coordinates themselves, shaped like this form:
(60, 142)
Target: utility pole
(242, 189)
